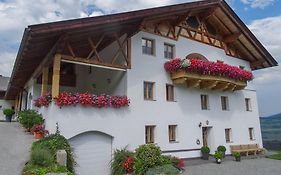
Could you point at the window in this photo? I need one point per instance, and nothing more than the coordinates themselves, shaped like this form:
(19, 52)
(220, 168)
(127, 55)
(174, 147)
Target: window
(248, 104)
(228, 135)
(168, 51)
(170, 92)
(204, 102)
(148, 88)
(147, 46)
(149, 134)
(224, 103)
(172, 133)
(242, 67)
(251, 134)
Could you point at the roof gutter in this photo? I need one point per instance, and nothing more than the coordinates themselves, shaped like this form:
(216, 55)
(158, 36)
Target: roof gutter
(23, 44)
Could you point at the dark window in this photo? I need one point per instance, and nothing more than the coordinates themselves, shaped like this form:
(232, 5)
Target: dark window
(147, 46)
(251, 133)
(170, 92)
(193, 22)
(204, 102)
(228, 135)
(168, 51)
(224, 103)
(149, 134)
(248, 104)
(211, 29)
(148, 90)
(172, 133)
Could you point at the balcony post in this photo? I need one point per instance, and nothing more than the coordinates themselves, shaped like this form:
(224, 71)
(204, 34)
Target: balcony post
(44, 86)
(56, 75)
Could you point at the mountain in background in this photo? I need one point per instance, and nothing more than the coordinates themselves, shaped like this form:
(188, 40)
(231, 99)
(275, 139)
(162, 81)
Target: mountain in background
(271, 127)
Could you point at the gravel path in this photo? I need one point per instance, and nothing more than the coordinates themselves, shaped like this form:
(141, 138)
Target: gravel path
(258, 166)
(14, 148)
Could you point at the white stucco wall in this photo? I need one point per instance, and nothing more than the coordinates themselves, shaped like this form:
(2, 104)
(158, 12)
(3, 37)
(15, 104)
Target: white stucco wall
(5, 104)
(127, 125)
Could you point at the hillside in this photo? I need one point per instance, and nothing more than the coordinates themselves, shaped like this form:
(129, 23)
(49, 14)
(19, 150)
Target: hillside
(271, 127)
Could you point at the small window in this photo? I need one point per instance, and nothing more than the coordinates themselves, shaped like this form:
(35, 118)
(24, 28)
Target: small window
(204, 102)
(170, 92)
(148, 90)
(172, 133)
(251, 134)
(168, 51)
(147, 46)
(248, 104)
(242, 67)
(228, 135)
(193, 22)
(224, 103)
(149, 134)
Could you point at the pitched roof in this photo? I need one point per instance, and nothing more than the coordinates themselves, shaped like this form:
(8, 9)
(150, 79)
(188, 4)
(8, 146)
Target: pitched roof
(39, 40)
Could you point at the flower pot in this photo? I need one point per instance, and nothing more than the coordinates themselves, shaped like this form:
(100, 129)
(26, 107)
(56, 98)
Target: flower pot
(218, 161)
(205, 156)
(238, 159)
(8, 118)
(38, 135)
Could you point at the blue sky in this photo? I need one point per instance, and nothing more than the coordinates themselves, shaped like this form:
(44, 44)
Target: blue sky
(263, 17)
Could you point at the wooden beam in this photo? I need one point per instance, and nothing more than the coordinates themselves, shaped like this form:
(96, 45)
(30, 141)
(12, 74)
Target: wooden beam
(70, 49)
(129, 52)
(56, 75)
(257, 63)
(44, 85)
(232, 37)
(68, 58)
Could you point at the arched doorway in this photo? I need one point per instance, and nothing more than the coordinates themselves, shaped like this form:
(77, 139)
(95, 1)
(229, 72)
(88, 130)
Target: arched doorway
(92, 153)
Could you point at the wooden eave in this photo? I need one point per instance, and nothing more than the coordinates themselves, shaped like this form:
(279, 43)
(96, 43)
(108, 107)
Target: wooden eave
(39, 40)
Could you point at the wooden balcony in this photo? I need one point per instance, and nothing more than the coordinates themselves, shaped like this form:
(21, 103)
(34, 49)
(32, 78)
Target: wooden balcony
(193, 80)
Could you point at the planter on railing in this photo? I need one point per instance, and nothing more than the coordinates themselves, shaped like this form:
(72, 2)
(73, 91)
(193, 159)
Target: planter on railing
(207, 75)
(84, 99)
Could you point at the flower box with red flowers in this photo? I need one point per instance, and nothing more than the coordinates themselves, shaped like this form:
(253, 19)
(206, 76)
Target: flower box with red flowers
(207, 75)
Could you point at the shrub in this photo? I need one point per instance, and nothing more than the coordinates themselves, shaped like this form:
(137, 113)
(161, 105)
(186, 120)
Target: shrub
(164, 169)
(31, 169)
(119, 157)
(205, 149)
(147, 156)
(42, 157)
(218, 155)
(29, 118)
(236, 155)
(221, 148)
(8, 112)
(53, 143)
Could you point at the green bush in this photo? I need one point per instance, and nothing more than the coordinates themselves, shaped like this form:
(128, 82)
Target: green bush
(236, 155)
(119, 158)
(42, 157)
(221, 148)
(205, 149)
(53, 143)
(164, 169)
(8, 112)
(29, 118)
(147, 156)
(31, 169)
(218, 155)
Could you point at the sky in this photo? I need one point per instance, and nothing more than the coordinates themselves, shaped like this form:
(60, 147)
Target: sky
(263, 17)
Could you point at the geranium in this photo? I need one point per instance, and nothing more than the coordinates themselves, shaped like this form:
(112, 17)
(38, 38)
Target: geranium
(128, 164)
(181, 163)
(208, 68)
(43, 100)
(40, 129)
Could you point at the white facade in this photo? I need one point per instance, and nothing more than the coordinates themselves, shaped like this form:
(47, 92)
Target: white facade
(126, 126)
(3, 105)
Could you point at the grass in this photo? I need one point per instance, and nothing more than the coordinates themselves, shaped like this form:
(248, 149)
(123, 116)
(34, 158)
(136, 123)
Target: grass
(276, 156)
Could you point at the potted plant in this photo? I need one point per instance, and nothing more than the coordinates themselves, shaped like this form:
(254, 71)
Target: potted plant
(218, 157)
(237, 156)
(222, 149)
(205, 150)
(9, 114)
(39, 131)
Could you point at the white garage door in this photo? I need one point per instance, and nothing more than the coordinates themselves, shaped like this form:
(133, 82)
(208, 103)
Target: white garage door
(92, 153)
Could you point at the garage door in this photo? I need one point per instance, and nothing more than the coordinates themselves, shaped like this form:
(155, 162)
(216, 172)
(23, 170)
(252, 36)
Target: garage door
(92, 153)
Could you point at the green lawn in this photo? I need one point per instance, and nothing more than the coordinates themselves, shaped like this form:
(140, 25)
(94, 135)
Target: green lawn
(276, 156)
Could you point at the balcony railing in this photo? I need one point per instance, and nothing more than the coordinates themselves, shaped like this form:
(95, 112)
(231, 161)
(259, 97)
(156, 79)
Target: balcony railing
(201, 74)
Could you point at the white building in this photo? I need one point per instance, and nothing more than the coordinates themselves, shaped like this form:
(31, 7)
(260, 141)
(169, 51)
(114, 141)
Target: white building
(124, 54)
(4, 103)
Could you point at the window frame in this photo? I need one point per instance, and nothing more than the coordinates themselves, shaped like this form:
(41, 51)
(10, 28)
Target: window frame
(172, 131)
(228, 131)
(172, 46)
(146, 94)
(248, 104)
(170, 96)
(150, 134)
(206, 105)
(251, 133)
(225, 103)
(145, 51)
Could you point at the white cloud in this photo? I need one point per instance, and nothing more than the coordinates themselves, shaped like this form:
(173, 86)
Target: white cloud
(258, 3)
(6, 62)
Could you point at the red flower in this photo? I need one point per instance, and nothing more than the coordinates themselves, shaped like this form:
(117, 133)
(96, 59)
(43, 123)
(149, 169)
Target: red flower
(128, 164)
(43, 100)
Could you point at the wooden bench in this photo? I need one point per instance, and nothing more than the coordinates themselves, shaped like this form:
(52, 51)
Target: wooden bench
(247, 149)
